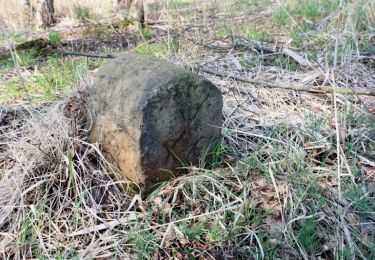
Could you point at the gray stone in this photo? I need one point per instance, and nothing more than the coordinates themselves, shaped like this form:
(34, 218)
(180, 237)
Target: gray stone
(151, 115)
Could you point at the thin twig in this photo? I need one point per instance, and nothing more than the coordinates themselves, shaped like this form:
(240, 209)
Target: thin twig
(297, 87)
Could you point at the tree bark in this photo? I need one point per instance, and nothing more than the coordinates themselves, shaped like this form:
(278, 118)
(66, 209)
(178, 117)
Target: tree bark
(124, 4)
(27, 12)
(140, 9)
(48, 13)
(39, 13)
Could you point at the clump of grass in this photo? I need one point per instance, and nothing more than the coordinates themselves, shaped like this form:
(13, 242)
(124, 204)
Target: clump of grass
(82, 13)
(282, 16)
(54, 37)
(308, 237)
(254, 33)
(155, 49)
(52, 81)
(24, 59)
(178, 4)
(315, 8)
(311, 24)
(50, 157)
(145, 242)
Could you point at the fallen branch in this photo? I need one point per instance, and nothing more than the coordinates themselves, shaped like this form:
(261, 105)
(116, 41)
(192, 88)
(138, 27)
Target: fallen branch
(91, 55)
(39, 46)
(297, 87)
(253, 46)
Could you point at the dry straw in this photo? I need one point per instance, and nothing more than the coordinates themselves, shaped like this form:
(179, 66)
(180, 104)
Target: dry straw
(275, 181)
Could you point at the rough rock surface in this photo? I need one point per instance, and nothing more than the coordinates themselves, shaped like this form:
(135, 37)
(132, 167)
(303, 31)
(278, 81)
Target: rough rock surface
(150, 116)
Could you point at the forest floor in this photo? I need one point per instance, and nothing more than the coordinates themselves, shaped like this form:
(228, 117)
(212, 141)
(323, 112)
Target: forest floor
(293, 178)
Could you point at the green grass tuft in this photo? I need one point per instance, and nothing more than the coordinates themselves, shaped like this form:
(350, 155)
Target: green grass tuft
(82, 13)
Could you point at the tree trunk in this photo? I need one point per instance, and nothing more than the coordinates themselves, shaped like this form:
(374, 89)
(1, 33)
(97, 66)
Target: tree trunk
(124, 4)
(27, 12)
(39, 13)
(48, 13)
(140, 8)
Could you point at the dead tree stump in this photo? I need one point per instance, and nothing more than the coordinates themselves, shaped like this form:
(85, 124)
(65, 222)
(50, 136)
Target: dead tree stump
(152, 116)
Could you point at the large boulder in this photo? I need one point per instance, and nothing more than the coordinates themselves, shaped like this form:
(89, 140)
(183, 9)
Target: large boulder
(152, 117)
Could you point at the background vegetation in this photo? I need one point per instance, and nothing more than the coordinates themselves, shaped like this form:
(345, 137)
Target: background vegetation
(294, 174)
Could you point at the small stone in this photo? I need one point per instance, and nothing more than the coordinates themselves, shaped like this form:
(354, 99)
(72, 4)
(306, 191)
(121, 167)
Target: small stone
(152, 117)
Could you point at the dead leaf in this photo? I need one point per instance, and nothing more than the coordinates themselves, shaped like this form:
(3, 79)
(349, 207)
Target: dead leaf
(264, 194)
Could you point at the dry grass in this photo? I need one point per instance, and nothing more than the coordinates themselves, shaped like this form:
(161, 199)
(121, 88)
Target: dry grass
(11, 11)
(52, 182)
(60, 199)
(293, 177)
